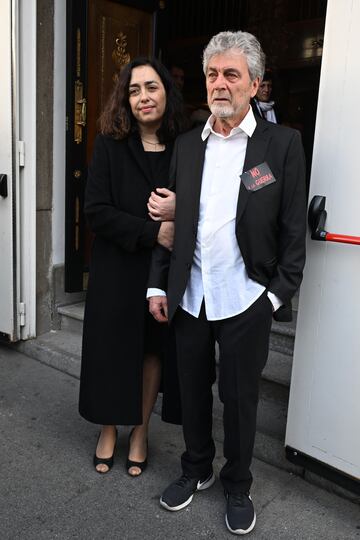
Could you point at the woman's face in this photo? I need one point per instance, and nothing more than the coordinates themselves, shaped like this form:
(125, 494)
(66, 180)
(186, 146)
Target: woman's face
(147, 96)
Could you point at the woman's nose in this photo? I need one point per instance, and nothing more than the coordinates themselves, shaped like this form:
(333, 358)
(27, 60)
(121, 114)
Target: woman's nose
(144, 95)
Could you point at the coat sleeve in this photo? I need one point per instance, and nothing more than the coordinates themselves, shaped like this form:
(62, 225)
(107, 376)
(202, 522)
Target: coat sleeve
(292, 224)
(126, 230)
(160, 259)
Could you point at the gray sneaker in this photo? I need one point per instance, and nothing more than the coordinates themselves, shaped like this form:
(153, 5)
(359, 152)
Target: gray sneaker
(180, 493)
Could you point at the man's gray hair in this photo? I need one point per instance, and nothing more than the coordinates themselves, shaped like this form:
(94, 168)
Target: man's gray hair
(243, 42)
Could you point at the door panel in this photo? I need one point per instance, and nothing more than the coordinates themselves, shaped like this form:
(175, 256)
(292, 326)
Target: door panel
(115, 33)
(324, 406)
(9, 328)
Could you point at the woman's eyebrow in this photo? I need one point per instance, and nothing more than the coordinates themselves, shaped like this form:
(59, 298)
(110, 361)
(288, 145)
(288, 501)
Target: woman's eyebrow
(146, 82)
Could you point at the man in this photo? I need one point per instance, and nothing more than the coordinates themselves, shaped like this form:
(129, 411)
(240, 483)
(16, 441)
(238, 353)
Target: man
(238, 256)
(178, 75)
(261, 103)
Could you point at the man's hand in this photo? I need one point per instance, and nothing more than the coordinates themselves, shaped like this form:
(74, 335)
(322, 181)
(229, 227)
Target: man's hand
(158, 308)
(161, 205)
(166, 234)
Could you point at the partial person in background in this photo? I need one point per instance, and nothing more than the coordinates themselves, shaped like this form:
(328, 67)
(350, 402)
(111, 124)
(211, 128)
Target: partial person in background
(178, 74)
(122, 344)
(262, 105)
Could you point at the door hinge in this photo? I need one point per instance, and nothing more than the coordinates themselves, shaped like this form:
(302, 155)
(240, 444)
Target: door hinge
(22, 313)
(21, 150)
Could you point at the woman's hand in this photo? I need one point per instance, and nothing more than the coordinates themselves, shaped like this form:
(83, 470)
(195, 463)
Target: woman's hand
(166, 234)
(161, 205)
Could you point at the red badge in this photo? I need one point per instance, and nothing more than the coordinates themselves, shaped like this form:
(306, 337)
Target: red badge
(258, 177)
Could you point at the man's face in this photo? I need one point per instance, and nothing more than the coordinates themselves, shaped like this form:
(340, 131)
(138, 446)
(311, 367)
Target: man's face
(228, 84)
(264, 91)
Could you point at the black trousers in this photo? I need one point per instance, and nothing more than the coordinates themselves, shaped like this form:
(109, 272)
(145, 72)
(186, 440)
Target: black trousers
(244, 344)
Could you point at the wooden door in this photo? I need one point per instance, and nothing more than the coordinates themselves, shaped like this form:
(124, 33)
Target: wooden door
(103, 36)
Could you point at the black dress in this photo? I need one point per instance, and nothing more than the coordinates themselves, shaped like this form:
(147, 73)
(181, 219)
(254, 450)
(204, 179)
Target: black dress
(118, 329)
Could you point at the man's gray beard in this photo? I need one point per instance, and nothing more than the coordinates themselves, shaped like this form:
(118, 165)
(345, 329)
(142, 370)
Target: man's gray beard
(221, 111)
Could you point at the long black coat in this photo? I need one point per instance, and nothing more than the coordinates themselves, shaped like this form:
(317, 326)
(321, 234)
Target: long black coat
(118, 187)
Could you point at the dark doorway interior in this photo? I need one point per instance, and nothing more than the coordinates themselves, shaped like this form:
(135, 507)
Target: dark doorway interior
(104, 34)
(291, 34)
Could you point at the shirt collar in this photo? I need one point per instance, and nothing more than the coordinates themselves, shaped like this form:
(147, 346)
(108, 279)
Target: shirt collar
(247, 126)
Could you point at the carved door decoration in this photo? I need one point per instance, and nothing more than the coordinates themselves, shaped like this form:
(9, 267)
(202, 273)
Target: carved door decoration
(103, 36)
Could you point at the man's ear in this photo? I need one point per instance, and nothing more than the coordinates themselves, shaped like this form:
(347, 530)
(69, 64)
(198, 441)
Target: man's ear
(255, 86)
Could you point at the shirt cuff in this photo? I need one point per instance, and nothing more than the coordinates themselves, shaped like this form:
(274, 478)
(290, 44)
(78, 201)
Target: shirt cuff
(275, 300)
(152, 291)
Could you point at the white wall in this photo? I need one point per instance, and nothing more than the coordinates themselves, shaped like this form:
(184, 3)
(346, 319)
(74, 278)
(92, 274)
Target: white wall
(58, 229)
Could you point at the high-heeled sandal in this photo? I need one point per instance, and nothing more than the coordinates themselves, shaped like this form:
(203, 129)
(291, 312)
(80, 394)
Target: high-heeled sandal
(139, 464)
(109, 462)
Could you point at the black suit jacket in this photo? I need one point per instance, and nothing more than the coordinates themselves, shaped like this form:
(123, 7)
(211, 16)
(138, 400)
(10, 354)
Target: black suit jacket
(270, 222)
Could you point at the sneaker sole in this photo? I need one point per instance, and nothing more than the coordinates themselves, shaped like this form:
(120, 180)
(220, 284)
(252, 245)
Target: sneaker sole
(241, 531)
(200, 487)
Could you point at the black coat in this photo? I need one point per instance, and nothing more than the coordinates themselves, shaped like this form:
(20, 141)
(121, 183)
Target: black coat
(270, 222)
(118, 187)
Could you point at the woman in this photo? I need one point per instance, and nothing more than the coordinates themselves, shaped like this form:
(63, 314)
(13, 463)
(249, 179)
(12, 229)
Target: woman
(122, 344)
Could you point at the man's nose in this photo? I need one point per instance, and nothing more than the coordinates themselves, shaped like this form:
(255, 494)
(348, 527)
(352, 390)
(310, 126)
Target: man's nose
(220, 81)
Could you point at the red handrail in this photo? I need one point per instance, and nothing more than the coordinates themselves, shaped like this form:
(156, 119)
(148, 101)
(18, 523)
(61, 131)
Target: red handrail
(342, 238)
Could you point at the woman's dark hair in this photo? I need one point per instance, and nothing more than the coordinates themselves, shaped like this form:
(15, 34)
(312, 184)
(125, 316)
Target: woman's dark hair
(117, 120)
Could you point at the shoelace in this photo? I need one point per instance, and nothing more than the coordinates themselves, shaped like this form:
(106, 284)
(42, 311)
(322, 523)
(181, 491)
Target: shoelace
(183, 480)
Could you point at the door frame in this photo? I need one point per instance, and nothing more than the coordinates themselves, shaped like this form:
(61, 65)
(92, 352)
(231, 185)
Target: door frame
(75, 162)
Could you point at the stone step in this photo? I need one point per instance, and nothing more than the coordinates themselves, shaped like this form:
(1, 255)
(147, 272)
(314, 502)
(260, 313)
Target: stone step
(61, 349)
(72, 317)
(283, 335)
(281, 341)
(278, 366)
(286, 330)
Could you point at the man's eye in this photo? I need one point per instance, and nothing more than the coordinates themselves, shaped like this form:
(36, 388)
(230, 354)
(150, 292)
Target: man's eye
(232, 76)
(212, 76)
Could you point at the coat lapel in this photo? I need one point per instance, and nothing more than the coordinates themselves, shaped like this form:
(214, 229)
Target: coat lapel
(255, 154)
(137, 151)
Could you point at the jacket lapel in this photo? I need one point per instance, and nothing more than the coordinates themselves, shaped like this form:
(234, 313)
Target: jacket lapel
(137, 151)
(198, 149)
(255, 154)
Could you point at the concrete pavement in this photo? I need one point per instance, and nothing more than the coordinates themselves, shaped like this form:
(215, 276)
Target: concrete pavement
(49, 489)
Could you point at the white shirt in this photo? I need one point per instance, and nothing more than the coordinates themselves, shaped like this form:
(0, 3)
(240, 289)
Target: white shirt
(218, 274)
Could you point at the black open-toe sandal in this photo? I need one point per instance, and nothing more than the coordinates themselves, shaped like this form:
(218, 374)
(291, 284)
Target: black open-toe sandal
(109, 462)
(140, 464)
